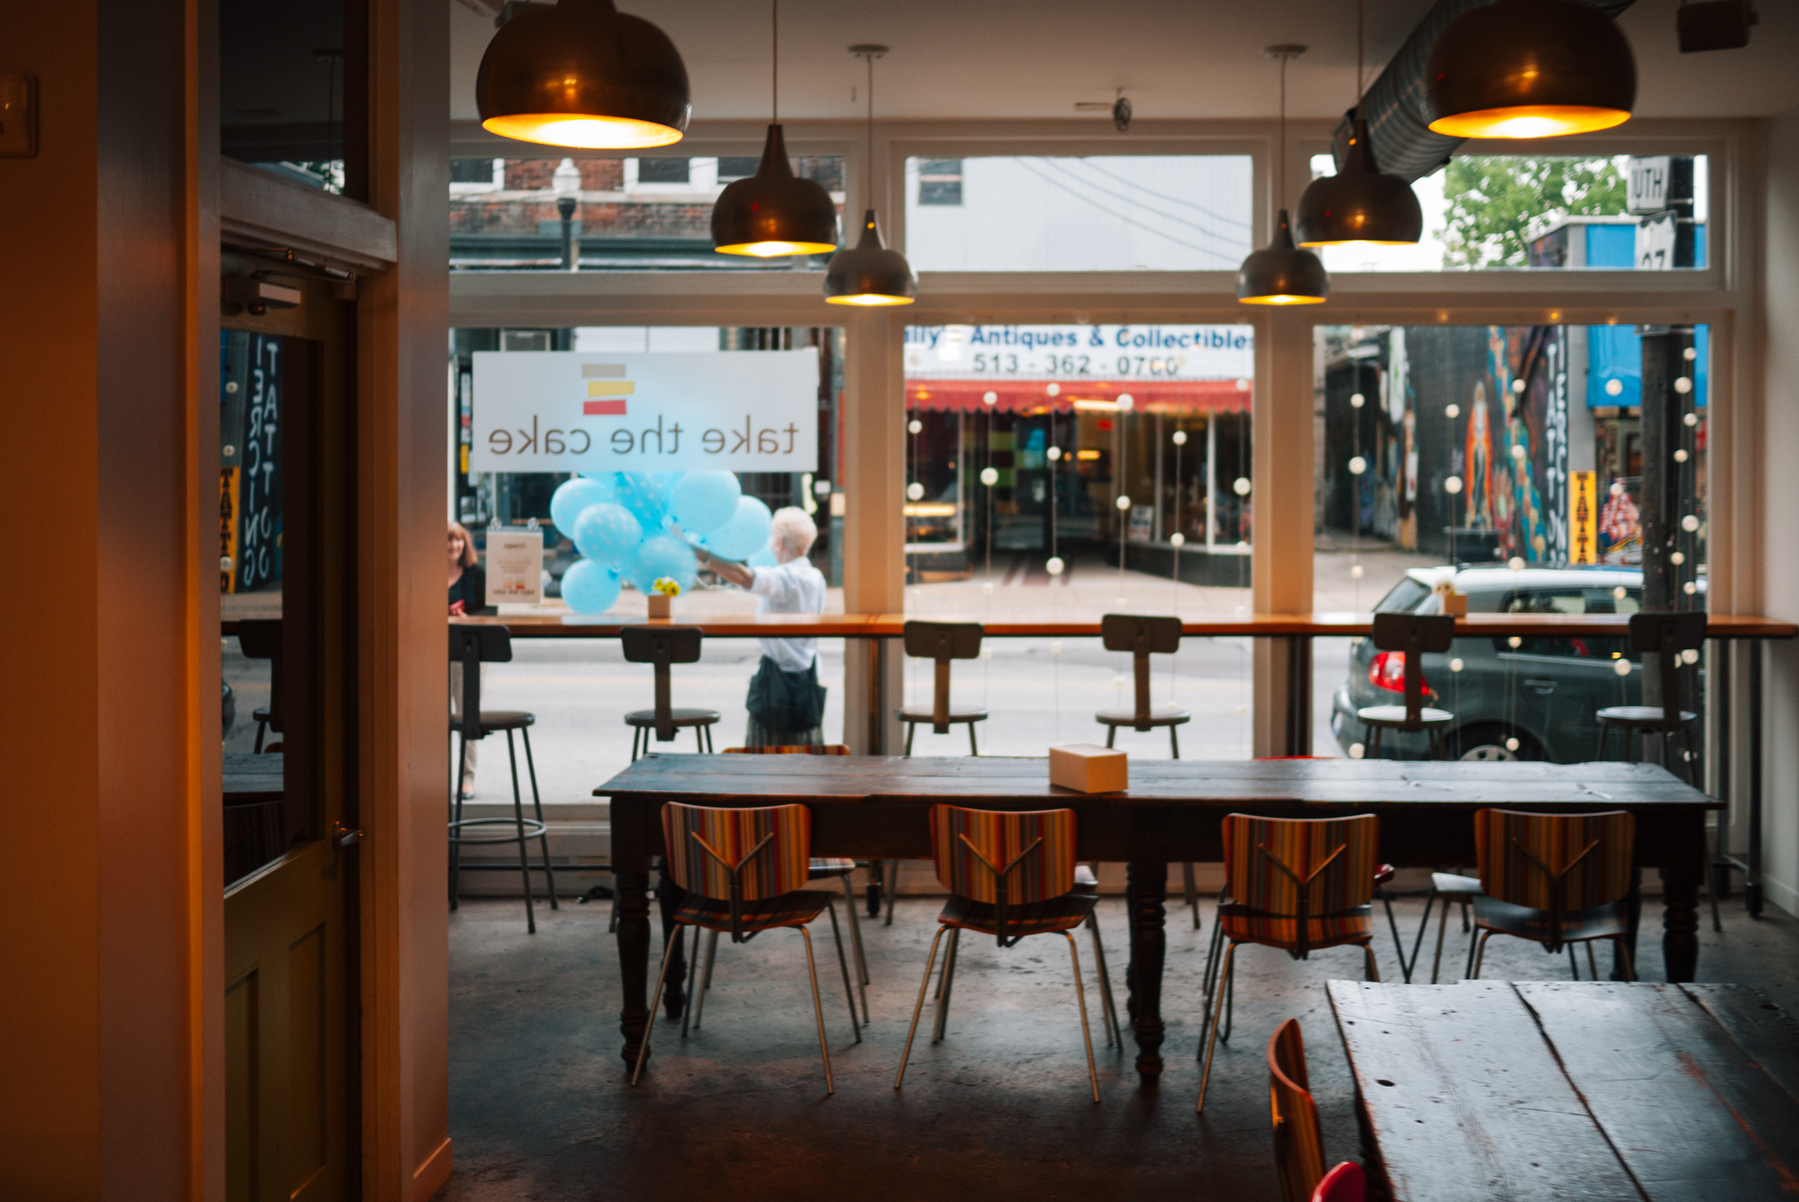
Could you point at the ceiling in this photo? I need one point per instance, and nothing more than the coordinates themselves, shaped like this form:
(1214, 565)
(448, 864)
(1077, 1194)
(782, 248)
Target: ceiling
(1173, 58)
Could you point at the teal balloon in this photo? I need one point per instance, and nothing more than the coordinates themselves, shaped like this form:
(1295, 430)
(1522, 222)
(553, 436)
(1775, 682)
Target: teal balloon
(659, 556)
(706, 500)
(574, 495)
(744, 534)
(589, 587)
(765, 558)
(607, 532)
(648, 496)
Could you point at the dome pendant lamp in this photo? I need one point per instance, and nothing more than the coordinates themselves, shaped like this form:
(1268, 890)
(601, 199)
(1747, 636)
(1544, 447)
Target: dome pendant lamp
(1530, 69)
(583, 74)
(774, 212)
(1359, 204)
(868, 273)
(1283, 274)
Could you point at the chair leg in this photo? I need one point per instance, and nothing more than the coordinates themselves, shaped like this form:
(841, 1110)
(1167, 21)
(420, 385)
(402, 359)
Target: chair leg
(1111, 733)
(699, 1000)
(455, 817)
(1209, 983)
(1592, 968)
(543, 840)
(946, 983)
(911, 729)
(1108, 1004)
(693, 980)
(849, 991)
(1630, 969)
(1430, 899)
(892, 889)
(1074, 958)
(1174, 741)
(1405, 970)
(973, 747)
(524, 854)
(1205, 1076)
(849, 904)
(1372, 971)
(643, 1049)
(635, 731)
(1442, 927)
(1230, 1003)
(918, 1007)
(1480, 950)
(1191, 891)
(818, 1010)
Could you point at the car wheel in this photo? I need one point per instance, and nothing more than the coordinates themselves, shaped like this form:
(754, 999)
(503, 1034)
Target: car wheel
(1488, 752)
(1487, 744)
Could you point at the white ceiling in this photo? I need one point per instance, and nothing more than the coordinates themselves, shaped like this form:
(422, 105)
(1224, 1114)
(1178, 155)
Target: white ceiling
(1173, 58)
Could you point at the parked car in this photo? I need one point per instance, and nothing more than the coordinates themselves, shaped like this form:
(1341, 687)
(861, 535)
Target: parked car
(1544, 693)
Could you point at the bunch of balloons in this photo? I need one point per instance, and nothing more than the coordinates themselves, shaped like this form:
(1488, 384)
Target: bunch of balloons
(638, 527)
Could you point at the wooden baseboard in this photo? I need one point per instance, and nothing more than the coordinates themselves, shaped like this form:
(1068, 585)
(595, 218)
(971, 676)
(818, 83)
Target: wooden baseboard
(433, 1174)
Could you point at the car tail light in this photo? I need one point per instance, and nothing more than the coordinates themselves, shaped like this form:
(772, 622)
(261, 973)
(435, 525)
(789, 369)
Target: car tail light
(1388, 672)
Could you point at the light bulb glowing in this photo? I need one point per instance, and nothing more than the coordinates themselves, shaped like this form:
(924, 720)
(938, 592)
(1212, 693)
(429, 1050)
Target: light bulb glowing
(1177, 539)
(1452, 411)
(869, 299)
(1053, 454)
(1126, 402)
(1689, 523)
(770, 250)
(1678, 558)
(1690, 588)
(1241, 487)
(1123, 502)
(989, 476)
(1622, 667)
(1617, 489)
(1514, 642)
(1682, 385)
(1511, 743)
(1691, 419)
(1456, 664)
(1518, 450)
(1180, 438)
(915, 491)
(1357, 751)
(1357, 400)
(990, 398)
(1355, 572)
(1680, 456)
(1516, 563)
(1614, 387)
(1054, 568)
(1689, 354)
(914, 426)
(1357, 465)
(1452, 485)
(588, 133)
(1619, 593)
(1690, 655)
(1530, 121)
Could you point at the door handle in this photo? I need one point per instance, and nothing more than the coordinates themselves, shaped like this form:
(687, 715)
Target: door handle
(1542, 687)
(341, 837)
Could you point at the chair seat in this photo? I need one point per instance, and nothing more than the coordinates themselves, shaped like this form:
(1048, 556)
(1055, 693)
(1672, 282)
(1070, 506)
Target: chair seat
(1455, 884)
(261, 714)
(1638, 716)
(825, 867)
(683, 717)
(1159, 715)
(957, 713)
(1063, 913)
(497, 720)
(794, 909)
(1084, 877)
(1394, 715)
(1600, 922)
(1244, 925)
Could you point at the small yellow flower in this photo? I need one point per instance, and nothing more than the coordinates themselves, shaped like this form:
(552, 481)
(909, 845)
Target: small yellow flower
(667, 587)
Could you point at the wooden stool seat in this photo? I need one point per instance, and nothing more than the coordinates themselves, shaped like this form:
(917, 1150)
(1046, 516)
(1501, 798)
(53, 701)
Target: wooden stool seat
(957, 713)
(1159, 715)
(1393, 717)
(498, 720)
(662, 646)
(941, 642)
(682, 717)
(1639, 717)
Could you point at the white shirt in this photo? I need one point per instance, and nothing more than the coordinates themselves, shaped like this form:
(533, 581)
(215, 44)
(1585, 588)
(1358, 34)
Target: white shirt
(794, 587)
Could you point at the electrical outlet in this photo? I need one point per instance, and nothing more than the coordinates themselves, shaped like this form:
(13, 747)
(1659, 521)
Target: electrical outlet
(18, 117)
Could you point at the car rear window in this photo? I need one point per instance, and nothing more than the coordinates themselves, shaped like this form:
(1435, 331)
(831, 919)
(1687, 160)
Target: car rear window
(1403, 598)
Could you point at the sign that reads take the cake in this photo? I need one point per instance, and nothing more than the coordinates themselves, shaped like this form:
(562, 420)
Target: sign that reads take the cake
(572, 411)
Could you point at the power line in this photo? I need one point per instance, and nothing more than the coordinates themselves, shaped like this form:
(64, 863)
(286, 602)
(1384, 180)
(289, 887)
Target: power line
(1204, 250)
(1161, 196)
(1134, 201)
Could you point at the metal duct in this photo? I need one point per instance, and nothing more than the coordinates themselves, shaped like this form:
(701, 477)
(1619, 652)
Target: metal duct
(1396, 106)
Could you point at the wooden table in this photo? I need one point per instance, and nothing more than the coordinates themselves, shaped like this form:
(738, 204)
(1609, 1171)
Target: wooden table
(874, 807)
(1487, 1090)
(254, 778)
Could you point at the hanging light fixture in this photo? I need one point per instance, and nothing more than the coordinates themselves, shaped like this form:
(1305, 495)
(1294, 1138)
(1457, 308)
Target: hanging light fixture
(774, 212)
(1530, 69)
(868, 273)
(1359, 204)
(583, 74)
(1283, 274)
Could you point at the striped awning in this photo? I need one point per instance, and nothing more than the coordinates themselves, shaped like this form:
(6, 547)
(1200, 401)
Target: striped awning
(1033, 396)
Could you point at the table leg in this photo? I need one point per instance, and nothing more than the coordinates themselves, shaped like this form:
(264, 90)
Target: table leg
(669, 897)
(1680, 920)
(633, 958)
(1146, 890)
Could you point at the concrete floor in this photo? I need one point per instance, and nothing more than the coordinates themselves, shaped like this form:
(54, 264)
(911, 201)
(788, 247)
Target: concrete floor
(540, 1108)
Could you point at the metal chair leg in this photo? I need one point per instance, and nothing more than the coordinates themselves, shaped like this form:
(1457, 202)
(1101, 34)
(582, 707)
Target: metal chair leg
(849, 904)
(911, 729)
(524, 850)
(1372, 972)
(693, 978)
(1111, 733)
(1405, 970)
(699, 1000)
(1592, 968)
(1430, 900)
(543, 840)
(818, 1010)
(1209, 983)
(1191, 892)
(1442, 926)
(643, 1049)
(1109, 1005)
(1205, 1076)
(1174, 741)
(1479, 949)
(849, 991)
(892, 889)
(1074, 958)
(946, 983)
(1230, 1003)
(918, 1007)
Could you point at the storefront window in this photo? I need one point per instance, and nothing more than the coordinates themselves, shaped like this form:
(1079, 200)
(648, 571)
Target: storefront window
(1087, 213)
(287, 82)
(1498, 213)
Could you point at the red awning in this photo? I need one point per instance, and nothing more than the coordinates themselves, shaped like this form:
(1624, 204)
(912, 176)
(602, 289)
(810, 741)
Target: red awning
(1032, 396)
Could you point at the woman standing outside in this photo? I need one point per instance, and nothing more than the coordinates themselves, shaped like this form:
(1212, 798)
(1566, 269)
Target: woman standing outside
(468, 596)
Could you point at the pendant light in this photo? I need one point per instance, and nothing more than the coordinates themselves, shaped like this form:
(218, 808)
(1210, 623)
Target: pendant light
(1283, 274)
(1359, 204)
(868, 273)
(1530, 69)
(774, 212)
(583, 74)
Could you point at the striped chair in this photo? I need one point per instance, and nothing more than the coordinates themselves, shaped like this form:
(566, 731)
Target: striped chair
(1298, 1137)
(1009, 875)
(1555, 879)
(743, 872)
(1298, 884)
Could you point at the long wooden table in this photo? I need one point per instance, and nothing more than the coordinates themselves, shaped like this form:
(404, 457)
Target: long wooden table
(874, 807)
(1518, 1092)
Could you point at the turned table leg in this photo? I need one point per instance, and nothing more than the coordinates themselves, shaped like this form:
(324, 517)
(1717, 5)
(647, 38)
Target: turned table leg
(1146, 891)
(633, 958)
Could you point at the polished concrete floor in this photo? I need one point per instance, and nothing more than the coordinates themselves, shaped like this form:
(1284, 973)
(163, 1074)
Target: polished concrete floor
(540, 1107)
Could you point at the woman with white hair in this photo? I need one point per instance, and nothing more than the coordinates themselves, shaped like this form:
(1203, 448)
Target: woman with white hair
(785, 702)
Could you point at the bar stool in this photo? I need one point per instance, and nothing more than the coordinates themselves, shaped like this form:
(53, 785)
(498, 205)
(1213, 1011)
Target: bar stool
(941, 642)
(1143, 637)
(662, 646)
(471, 646)
(1664, 635)
(260, 638)
(1411, 635)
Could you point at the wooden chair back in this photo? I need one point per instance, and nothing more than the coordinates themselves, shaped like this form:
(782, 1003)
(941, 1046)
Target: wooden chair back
(1300, 868)
(793, 749)
(1298, 1137)
(1413, 635)
(471, 646)
(737, 855)
(1665, 636)
(1556, 863)
(662, 646)
(1003, 858)
(941, 642)
(260, 638)
(1142, 637)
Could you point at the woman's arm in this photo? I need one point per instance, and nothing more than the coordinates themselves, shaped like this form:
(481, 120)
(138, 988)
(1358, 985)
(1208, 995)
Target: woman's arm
(739, 574)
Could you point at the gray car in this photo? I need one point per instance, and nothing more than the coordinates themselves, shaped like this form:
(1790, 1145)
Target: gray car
(1543, 693)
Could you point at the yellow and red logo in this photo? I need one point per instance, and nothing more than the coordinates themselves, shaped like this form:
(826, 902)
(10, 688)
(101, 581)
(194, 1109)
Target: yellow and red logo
(607, 389)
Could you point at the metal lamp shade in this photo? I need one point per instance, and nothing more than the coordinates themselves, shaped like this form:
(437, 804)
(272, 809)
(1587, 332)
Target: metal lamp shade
(868, 273)
(583, 74)
(1360, 203)
(1283, 274)
(774, 212)
(1530, 69)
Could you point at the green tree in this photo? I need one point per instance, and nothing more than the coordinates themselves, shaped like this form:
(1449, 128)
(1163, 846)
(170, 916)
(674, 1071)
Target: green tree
(1493, 202)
